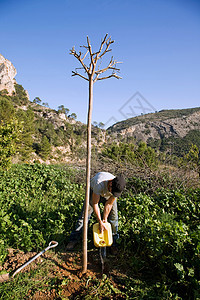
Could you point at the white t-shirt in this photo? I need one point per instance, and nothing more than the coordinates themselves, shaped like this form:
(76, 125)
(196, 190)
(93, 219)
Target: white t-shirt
(99, 184)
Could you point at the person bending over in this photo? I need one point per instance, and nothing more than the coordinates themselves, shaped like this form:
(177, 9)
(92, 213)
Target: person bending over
(104, 188)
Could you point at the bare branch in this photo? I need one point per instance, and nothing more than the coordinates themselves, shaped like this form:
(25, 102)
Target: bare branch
(94, 57)
(110, 66)
(79, 69)
(78, 74)
(106, 41)
(78, 56)
(101, 47)
(92, 65)
(104, 38)
(84, 47)
(85, 55)
(89, 46)
(106, 77)
(116, 69)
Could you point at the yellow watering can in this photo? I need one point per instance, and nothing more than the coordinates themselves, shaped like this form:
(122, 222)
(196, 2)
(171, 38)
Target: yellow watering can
(102, 239)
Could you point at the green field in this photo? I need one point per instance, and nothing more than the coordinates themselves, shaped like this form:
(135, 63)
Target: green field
(159, 232)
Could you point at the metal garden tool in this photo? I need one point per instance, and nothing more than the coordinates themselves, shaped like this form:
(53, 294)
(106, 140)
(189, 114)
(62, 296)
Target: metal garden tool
(102, 254)
(102, 240)
(7, 276)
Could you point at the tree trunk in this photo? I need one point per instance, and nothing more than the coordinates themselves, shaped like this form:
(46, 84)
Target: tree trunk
(92, 76)
(88, 164)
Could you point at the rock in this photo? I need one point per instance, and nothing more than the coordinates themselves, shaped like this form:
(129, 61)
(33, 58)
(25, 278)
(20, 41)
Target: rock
(164, 124)
(7, 74)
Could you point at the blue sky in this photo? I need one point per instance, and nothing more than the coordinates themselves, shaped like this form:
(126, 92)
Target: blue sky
(158, 42)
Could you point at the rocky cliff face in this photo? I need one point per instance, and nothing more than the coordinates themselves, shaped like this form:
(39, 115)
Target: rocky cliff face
(7, 74)
(164, 124)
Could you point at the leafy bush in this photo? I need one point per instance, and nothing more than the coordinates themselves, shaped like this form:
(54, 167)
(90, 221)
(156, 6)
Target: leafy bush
(44, 148)
(26, 137)
(141, 154)
(20, 96)
(9, 136)
(39, 204)
(7, 110)
(162, 235)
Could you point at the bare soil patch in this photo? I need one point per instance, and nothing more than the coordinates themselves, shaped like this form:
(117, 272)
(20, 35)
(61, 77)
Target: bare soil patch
(65, 279)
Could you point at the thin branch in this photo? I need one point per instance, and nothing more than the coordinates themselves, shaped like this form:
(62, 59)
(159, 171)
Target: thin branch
(111, 63)
(100, 48)
(89, 46)
(106, 41)
(109, 67)
(78, 74)
(107, 47)
(92, 65)
(83, 46)
(104, 38)
(78, 56)
(102, 71)
(106, 77)
(85, 55)
(114, 68)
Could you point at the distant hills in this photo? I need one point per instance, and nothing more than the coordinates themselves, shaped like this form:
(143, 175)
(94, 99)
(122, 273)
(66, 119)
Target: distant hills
(167, 129)
(54, 136)
(62, 137)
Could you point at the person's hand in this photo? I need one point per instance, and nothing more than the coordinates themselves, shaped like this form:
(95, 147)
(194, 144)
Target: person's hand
(102, 226)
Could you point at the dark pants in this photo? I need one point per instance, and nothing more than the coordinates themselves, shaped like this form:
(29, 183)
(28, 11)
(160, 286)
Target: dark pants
(112, 218)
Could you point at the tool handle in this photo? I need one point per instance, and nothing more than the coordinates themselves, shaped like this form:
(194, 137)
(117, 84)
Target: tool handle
(52, 244)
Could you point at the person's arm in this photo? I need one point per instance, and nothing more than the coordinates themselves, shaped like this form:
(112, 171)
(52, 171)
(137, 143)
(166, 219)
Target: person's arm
(108, 207)
(95, 201)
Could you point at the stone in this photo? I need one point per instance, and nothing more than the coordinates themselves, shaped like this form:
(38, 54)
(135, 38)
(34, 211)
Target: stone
(156, 126)
(7, 75)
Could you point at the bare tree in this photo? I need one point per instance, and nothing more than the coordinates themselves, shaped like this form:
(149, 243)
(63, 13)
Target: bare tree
(92, 72)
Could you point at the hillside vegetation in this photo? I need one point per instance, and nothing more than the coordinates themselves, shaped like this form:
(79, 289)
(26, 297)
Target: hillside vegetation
(38, 133)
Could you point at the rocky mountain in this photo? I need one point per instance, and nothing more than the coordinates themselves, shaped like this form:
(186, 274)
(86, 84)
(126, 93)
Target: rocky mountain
(161, 128)
(7, 75)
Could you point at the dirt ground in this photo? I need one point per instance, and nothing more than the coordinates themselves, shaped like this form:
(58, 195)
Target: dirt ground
(64, 268)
